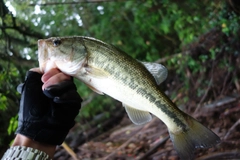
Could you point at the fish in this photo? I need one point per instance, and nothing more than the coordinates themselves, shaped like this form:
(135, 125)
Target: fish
(108, 70)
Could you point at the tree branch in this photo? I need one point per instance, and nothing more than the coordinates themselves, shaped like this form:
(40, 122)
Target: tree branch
(24, 32)
(79, 2)
(3, 9)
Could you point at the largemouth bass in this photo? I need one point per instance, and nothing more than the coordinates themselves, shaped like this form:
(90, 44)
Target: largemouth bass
(108, 70)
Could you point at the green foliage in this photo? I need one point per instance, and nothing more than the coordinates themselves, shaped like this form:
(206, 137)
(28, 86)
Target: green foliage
(96, 104)
(12, 125)
(3, 102)
(100, 104)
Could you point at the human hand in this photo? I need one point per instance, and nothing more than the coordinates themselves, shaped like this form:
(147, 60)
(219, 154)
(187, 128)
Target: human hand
(47, 115)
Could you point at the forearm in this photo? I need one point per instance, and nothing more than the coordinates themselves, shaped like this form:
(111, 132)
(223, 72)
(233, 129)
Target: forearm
(21, 140)
(26, 148)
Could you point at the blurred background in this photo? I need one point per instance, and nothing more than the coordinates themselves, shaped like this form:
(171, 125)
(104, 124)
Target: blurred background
(198, 41)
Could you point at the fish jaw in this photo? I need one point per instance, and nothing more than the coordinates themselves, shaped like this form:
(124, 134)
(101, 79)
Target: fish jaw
(50, 56)
(43, 56)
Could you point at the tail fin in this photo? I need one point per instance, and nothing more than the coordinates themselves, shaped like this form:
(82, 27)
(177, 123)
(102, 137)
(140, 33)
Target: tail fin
(197, 136)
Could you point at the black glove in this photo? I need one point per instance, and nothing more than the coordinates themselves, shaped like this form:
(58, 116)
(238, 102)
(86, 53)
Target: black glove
(47, 116)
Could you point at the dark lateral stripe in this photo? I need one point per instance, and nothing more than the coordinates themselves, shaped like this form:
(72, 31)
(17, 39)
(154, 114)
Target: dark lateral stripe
(172, 115)
(128, 71)
(163, 107)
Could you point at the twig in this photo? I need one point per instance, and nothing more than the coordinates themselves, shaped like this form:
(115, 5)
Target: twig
(237, 84)
(179, 55)
(71, 3)
(90, 98)
(221, 155)
(153, 150)
(129, 140)
(203, 98)
(231, 129)
(121, 147)
(225, 82)
(221, 102)
(70, 151)
(92, 130)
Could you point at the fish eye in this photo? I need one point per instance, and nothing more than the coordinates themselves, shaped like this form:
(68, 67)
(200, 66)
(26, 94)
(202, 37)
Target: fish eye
(56, 42)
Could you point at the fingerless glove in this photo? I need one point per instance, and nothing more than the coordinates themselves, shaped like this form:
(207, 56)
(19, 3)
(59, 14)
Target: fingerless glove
(47, 116)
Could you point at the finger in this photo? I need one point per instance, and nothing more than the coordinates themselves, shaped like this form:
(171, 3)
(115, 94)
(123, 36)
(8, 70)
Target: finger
(55, 79)
(49, 74)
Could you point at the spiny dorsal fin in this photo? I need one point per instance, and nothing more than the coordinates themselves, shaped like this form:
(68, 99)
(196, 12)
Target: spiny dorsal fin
(158, 71)
(138, 117)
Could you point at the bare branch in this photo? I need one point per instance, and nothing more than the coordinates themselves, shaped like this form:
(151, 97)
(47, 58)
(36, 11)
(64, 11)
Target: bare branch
(24, 32)
(79, 2)
(166, 58)
(3, 9)
(221, 155)
(19, 61)
(154, 149)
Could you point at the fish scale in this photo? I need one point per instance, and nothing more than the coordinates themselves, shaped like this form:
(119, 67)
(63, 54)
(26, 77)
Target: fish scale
(147, 82)
(108, 70)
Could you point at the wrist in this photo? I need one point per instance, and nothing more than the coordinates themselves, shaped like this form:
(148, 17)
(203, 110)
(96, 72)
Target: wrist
(21, 140)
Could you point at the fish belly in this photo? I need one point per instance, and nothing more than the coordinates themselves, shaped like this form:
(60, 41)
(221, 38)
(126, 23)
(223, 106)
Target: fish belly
(117, 91)
(128, 96)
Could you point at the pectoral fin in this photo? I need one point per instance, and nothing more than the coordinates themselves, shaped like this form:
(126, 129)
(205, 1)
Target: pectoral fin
(138, 117)
(158, 71)
(96, 72)
(95, 90)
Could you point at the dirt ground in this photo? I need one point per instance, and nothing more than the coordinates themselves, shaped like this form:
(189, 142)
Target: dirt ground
(127, 141)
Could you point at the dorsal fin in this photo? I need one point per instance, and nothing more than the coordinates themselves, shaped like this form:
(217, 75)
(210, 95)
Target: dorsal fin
(158, 71)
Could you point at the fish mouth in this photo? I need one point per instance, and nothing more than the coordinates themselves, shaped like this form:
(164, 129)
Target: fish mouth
(44, 58)
(42, 52)
(40, 42)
